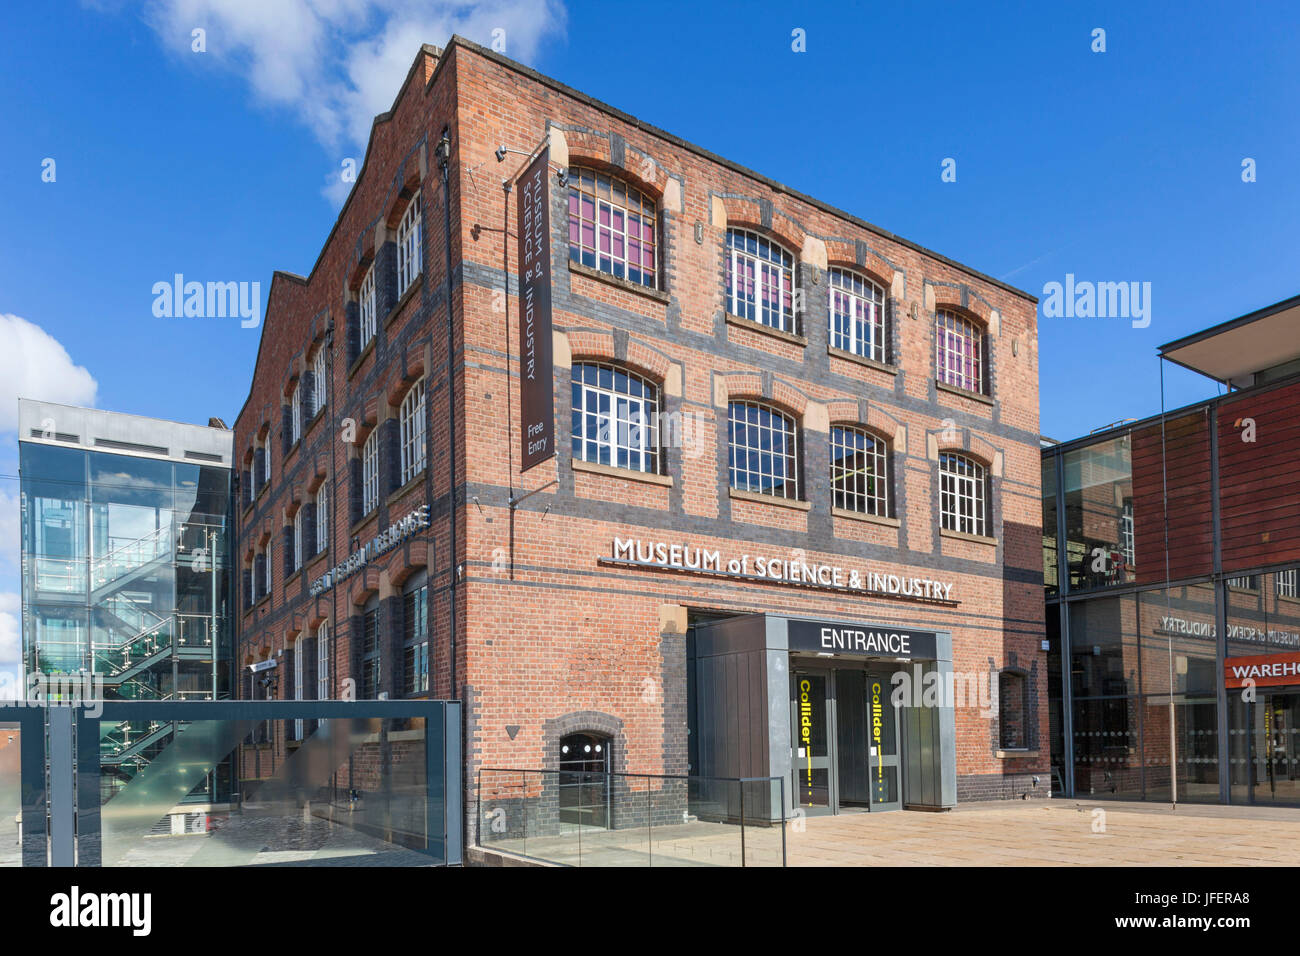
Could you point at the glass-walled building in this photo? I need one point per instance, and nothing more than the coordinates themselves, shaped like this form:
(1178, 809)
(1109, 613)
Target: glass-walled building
(125, 580)
(1170, 556)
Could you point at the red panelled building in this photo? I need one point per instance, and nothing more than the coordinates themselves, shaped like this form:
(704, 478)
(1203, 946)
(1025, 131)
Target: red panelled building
(1172, 555)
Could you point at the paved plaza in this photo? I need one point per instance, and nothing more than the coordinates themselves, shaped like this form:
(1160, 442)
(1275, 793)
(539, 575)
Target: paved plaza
(1053, 833)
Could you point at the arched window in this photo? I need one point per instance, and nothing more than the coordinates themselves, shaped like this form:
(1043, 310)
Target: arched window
(763, 454)
(295, 413)
(857, 315)
(412, 432)
(323, 661)
(370, 653)
(584, 779)
(615, 418)
(370, 473)
(612, 226)
(322, 516)
(369, 323)
(859, 471)
(410, 259)
(1013, 710)
(415, 634)
(959, 352)
(318, 382)
(760, 280)
(963, 495)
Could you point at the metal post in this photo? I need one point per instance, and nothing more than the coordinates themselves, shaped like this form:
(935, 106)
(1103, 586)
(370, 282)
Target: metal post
(742, 823)
(63, 804)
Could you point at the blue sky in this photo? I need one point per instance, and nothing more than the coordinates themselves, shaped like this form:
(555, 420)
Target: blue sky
(223, 165)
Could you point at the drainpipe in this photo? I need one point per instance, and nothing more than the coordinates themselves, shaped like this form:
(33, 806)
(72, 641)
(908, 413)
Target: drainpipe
(443, 151)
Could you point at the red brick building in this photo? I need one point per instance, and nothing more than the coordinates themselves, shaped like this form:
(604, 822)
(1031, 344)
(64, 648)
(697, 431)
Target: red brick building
(767, 413)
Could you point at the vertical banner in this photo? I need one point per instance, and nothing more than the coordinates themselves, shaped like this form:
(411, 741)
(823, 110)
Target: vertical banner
(536, 394)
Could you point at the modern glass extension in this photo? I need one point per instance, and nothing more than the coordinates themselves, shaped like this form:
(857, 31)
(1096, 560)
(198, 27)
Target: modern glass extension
(125, 573)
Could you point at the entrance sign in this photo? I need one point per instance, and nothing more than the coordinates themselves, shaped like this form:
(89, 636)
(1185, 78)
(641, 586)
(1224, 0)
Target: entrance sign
(1266, 670)
(536, 392)
(394, 535)
(862, 640)
(779, 569)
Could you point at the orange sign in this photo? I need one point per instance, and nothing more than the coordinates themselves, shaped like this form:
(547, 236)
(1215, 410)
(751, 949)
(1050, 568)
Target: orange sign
(1265, 670)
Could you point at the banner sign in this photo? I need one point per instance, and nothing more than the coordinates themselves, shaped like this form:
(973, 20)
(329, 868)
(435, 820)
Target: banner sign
(1265, 670)
(862, 640)
(395, 534)
(536, 394)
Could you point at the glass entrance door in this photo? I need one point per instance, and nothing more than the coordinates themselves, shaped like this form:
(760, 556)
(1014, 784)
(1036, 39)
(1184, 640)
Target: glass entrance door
(812, 786)
(882, 722)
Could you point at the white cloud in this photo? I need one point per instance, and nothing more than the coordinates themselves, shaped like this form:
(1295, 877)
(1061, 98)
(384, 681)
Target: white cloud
(34, 364)
(337, 63)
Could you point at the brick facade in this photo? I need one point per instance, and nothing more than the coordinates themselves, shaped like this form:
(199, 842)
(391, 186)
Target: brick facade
(546, 632)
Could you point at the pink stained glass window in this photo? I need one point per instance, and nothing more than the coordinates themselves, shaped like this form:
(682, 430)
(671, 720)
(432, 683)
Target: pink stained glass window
(615, 227)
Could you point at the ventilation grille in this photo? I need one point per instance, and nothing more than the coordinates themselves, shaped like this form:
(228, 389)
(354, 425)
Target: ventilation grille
(129, 446)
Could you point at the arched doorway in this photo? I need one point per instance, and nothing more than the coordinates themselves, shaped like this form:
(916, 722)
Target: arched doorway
(584, 779)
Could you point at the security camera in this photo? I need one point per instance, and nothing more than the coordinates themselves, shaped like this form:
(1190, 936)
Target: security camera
(501, 154)
(563, 176)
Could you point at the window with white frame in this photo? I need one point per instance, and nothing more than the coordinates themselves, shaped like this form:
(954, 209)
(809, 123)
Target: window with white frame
(611, 226)
(322, 516)
(760, 280)
(368, 322)
(959, 352)
(318, 383)
(412, 432)
(266, 571)
(266, 463)
(857, 315)
(963, 495)
(415, 636)
(295, 414)
(615, 418)
(323, 661)
(1248, 582)
(763, 453)
(409, 257)
(370, 472)
(1286, 583)
(297, 539)
(859, 471)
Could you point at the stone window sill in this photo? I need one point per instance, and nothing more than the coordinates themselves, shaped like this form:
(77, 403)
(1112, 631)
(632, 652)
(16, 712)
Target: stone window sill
(1015, 754)
(963, 536)
(868, 518)
(416, 284)
(626, 285)
(370, 347)
(793, 503)
(766, 330)
(416, 480)
(963, 392)
(862, 360)
(614, 472)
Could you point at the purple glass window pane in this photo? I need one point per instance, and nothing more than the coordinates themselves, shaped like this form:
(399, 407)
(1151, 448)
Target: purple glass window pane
(589, 235)
(574, 231)
(604, 215)
(604, 239)
(588, 208)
